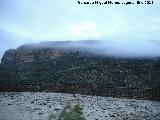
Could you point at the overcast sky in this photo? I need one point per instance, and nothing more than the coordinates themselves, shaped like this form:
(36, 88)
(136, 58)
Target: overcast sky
(27, 21)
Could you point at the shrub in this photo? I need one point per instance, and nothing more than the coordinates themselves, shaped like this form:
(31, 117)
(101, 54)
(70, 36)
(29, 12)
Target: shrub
(69, 113)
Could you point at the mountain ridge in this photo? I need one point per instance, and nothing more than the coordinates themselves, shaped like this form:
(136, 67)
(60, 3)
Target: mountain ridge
(79, 70)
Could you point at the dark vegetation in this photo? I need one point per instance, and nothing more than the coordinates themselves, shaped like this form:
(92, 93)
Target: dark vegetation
(69, 112)
(78, 72)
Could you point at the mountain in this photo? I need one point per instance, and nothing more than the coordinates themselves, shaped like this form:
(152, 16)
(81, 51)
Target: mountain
(79, 67)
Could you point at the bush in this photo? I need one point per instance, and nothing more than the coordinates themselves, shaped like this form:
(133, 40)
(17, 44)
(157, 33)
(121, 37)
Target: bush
(69, 113)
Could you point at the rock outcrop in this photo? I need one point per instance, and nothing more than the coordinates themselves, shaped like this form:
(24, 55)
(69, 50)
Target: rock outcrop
(28, 55)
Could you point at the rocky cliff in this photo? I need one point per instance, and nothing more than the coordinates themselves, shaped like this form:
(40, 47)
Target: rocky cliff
(28, 55)
(44, 51)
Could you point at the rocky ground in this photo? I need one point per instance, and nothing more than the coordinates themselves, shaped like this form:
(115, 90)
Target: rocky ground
(38, 106)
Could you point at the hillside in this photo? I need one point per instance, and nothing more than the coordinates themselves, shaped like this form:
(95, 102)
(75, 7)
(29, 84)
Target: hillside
(73, 67)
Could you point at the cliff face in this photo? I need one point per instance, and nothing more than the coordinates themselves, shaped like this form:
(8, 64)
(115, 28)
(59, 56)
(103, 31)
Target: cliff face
(29, 55)
(9, 56)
